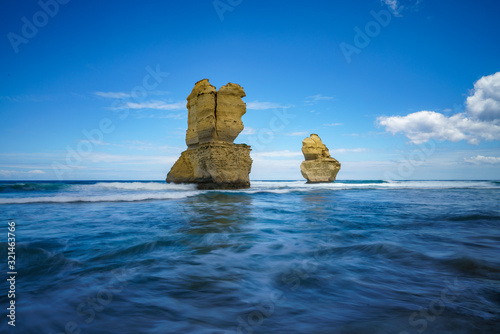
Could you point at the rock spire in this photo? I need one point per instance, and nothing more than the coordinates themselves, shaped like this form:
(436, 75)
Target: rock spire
(318, 166)
(212, 160)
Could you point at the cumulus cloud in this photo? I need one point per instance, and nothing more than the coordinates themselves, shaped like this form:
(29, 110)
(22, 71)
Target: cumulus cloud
(480, 159)
(484, 102)
(480, 121)
(422, 126)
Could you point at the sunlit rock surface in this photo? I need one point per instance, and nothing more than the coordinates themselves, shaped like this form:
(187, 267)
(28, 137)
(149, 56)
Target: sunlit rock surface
(212, 160)
(318, 166)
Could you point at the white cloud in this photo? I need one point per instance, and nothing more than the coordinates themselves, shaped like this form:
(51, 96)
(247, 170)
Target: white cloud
(36, 171)
(393, 6)
(277, 154)
(333, 124)
(480, 159)
(126, 101)
(123, 95)
(4, 172)
(17, 173)
(173, 116)
(95, 142)
(396, 6)
(27, 97)
(348, 150)
(481, 121)
(484, 102)
(113, 95)
(138, 142)
(316, 98)
(423, 126)
(256, 105)
(11, 99)
(94, 157)
(158, 105)
(276, 169)
(287, 153)
(142, 145)
(248, 131)
(181, 115)
(162, 105)
(130, 159)
(299, 133)
(134, 145)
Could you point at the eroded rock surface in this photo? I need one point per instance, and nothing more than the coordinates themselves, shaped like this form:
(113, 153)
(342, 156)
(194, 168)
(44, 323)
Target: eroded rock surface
(214, 121)
(230, 109)
(201, 105)
(318, 166)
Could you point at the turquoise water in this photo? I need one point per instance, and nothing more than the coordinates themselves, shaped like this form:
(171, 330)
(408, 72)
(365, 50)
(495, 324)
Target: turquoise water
(280, 257)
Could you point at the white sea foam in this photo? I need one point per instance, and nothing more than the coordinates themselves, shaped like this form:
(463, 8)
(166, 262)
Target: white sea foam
(141, 191)
(138, 186)
(101, 198)
(291, 186)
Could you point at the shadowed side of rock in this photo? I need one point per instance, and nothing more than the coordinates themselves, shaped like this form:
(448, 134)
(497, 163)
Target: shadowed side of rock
(214, 120)
(318, 166)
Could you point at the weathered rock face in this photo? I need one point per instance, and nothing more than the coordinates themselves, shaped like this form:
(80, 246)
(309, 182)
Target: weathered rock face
(313, 148)
(214, 115)
(214, 121)
(319, 165)
(214, 166)
(230, 108)
(201, 113)
(317, 171)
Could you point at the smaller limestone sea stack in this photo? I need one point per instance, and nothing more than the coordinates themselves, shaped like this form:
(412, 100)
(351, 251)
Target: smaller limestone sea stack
(212, 160)
(319, 165)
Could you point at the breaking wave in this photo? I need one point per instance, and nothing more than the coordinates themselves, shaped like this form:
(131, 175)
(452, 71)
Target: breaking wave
(99, 198)
(132, 191)
(291, 186)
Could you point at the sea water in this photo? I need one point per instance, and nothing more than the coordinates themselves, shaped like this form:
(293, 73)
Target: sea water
(280, 257)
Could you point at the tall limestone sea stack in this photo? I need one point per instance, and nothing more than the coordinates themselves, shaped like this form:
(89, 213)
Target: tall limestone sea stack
(319, 165)
(212, 160)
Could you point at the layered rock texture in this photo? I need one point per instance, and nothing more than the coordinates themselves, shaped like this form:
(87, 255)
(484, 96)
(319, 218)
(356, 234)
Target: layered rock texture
(319, 166)
(214, 121)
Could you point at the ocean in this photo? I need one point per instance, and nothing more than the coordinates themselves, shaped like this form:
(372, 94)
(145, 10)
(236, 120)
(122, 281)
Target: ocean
(281, 257)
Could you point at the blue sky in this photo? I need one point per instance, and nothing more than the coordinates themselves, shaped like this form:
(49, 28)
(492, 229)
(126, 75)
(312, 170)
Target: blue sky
(396, 89)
